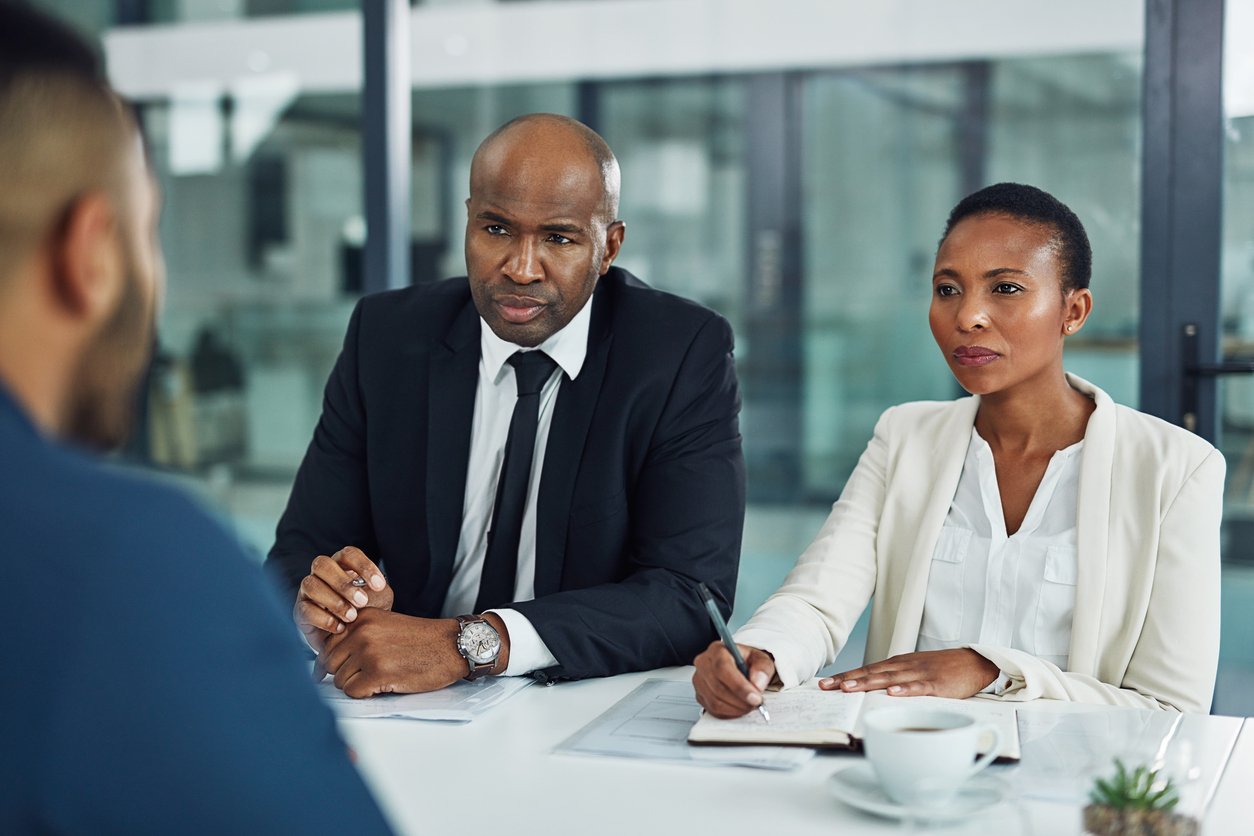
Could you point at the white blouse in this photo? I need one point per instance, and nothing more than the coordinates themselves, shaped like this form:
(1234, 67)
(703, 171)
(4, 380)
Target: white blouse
(990, 589)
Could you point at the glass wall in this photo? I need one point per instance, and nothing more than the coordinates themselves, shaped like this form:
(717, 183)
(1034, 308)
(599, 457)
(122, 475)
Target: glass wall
(681, 147)
(263, 251)
(1236, 393)
(263, 230)
(876, 198)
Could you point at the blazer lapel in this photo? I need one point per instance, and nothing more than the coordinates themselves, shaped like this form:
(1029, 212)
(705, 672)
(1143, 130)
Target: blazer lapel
(948, 451)
(572, 416)
(450, 413)
(1092, 528)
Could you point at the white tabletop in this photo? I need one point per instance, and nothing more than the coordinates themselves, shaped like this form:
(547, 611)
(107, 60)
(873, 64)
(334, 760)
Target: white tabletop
(501, 771)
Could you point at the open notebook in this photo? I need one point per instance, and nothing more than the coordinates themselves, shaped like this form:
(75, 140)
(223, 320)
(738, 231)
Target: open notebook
(806, 716)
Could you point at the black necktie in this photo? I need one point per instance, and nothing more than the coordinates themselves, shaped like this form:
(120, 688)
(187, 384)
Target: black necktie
(500, 565)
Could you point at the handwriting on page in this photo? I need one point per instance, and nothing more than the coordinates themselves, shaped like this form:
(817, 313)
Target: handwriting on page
(805, 710)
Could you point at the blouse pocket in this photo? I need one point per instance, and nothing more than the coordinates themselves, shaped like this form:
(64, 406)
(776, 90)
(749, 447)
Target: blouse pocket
(1056, 607)
(943, 606)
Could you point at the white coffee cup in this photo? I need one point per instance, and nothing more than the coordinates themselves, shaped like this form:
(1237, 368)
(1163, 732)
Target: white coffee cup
(923, 756)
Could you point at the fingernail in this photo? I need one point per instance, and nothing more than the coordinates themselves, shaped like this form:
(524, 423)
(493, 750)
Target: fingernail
(377, 582)
(339, 627)
(360, 599)
(827, 683)
(351, 614)
(760, 679)
(894, 689)
(849, 684)
(755, 699)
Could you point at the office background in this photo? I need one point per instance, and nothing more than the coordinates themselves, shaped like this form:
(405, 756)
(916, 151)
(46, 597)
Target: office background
(789, 163)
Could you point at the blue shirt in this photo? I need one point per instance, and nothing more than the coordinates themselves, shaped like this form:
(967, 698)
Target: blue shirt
(152, 682)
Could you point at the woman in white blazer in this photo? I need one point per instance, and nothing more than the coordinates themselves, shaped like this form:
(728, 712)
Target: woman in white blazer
(1033, 540)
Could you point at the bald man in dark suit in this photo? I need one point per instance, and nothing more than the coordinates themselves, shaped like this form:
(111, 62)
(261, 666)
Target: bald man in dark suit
(527, 470)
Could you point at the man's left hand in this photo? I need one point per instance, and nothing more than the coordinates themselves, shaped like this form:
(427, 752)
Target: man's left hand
(957, 673)
(389, 653)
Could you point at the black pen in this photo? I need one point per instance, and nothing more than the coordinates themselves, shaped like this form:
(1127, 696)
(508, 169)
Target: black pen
(723, 633)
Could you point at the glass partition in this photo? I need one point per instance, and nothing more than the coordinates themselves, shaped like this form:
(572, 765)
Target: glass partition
(263, 224)
(262, 230)
(1236, 393)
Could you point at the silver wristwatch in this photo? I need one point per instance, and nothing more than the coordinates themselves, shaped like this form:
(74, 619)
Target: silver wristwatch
(479, 644)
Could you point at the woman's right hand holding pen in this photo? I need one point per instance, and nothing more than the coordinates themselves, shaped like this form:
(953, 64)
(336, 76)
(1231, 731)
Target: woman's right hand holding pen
(721, 689)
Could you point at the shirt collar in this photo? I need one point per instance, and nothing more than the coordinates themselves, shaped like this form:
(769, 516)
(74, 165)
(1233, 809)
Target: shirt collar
(568, 347)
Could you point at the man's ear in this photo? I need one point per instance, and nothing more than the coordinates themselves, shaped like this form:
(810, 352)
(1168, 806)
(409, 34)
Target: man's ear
(87, 258)
(614, 235)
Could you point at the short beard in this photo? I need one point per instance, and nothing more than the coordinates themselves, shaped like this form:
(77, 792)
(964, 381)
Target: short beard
(104, 395)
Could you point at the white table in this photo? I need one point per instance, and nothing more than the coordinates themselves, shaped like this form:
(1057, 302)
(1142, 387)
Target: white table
(500, 771)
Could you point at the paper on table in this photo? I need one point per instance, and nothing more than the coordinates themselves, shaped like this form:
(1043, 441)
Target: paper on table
(460, 702)
(652, 723)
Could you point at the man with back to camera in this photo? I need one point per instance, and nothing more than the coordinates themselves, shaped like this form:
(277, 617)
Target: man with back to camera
(527, 470)
(130, 704)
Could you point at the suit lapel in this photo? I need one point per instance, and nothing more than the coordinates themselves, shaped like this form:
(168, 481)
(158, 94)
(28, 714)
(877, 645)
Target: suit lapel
(1092, 528)
(948, 451)
(572, 416)
(450, 413)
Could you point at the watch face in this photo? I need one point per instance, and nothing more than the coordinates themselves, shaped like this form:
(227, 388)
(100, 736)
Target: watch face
(479, 642)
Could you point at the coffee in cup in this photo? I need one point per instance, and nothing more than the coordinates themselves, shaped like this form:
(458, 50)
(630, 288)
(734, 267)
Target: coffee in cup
(923, 756)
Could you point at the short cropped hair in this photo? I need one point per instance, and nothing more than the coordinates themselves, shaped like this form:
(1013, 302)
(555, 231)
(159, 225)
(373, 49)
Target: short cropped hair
(63, 131)
(34, 42)
(1039, 208)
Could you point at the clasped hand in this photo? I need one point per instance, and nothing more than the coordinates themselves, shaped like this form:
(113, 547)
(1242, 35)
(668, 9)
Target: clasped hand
(366, 647)
(724, 692)
(328, 601)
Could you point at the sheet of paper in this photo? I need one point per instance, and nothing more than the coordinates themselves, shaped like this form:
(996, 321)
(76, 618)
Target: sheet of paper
(461, 702)
(652, 723)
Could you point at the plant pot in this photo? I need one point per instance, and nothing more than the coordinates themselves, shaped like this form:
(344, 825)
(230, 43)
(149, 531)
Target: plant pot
(1101, 820)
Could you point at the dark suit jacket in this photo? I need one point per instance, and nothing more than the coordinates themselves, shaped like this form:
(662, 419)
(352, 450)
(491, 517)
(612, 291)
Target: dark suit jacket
(641, 497)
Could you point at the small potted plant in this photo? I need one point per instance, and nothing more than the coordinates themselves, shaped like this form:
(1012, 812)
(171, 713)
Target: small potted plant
(1140, 802)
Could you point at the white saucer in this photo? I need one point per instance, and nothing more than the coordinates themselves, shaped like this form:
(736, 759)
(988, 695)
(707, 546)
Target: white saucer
(858, 787)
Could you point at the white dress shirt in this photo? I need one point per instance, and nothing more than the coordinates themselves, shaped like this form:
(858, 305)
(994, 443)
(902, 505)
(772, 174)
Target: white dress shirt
(1016, 591)
(494, 406)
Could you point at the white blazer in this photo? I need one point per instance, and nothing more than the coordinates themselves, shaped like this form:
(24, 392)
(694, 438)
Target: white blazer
(1146, 626)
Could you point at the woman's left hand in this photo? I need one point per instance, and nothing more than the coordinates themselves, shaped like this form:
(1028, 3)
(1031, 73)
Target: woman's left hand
(957, 673)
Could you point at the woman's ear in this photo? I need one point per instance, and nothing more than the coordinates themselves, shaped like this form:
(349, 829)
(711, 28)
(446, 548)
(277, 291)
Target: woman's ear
(1077, 305)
